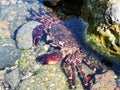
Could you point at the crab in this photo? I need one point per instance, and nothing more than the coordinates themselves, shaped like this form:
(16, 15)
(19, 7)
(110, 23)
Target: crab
(70, 49)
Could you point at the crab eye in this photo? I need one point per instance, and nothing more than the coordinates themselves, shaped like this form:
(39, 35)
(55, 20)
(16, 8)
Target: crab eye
(61, 43)
(82, 50)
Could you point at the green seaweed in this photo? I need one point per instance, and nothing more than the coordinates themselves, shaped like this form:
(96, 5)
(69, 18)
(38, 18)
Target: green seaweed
(22, 62)
(37, 72)
(96, 36)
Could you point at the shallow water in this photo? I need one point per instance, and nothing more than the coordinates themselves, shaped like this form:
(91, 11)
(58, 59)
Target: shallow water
(32, 75)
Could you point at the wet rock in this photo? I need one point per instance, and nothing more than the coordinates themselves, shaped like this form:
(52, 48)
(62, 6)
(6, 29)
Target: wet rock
(101, 36)
(118, 82)
(24, 35)
(112, 15)
(4, 29)
(105, 81)
(12, 78)
(50, 77)
(9, 2)
(8, 53)
(51, 2)
(16, 14)
(29, 1)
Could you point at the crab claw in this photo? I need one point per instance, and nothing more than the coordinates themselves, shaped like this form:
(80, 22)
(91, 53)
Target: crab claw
(52, 58)
(87, 79)
(38, 34)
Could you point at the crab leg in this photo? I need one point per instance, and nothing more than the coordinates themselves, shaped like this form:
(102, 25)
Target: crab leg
(88, 63)
(86, 79)
(70, 70)
(73, 66)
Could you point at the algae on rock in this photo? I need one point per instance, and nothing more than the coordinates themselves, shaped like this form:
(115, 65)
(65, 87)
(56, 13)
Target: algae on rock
(101, 36)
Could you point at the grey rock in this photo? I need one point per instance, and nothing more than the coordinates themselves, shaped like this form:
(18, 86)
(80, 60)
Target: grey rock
(29, 1)
(113, 14)
(16, 14)
(24, 35)
(8, 53)
(50, 78)
(105, 81)
(118, 82)
(12, 78)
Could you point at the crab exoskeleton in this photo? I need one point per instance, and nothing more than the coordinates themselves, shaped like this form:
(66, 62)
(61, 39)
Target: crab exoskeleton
(70, 48)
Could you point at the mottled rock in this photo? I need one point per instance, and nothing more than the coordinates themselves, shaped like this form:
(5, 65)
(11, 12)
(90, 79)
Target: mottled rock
(101, 36)
(16, 14)
(4, 29)
(8, 53)
(12, 78)
(105, 81)
(10, 2)
(24, 35)
(29, 1)
(113, 13)
(50, 77)
(118, 81)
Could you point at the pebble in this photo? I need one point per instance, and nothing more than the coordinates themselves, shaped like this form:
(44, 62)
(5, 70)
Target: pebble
(12, 78)
(8, 53)
(24, 35)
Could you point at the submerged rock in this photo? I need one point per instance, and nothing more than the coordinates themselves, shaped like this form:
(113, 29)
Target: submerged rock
(51, 2)
(101, 36)
(112, 15)
(50, 77)
(24, 35)
(15, 14)
(8, 53)
(12, 78)
(105, 81)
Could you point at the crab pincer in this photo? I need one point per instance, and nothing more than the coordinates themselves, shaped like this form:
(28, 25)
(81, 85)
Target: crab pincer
(52, 58)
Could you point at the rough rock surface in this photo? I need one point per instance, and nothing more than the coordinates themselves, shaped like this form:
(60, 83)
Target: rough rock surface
(105, 81)
(101, 36)
(15, 14)
(113, 13)
(50, 77)
(8, 53)
(4, 30)
(24, 35)
(12, 78)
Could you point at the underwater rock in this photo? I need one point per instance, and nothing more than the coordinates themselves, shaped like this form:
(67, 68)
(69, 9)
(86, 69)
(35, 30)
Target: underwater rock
(15, 15)
(112, 15)
(102, 37)
(50, 77)
(24, 35)
(29, 1)
(105, 81)
(51, 2)
(8, 53)
(4, 29)
(12, 78)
